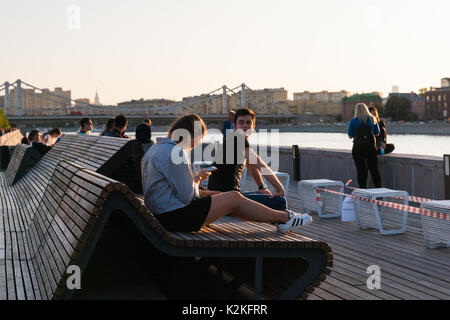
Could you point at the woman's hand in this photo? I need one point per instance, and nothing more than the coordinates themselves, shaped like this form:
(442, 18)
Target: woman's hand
(201, 175)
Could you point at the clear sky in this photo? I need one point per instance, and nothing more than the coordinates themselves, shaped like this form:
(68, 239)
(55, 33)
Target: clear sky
(174, 48)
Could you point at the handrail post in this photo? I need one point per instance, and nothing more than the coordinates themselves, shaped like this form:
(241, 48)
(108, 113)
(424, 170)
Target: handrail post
(224, 100)
(19, 98)
(243, 96)
(447, 176)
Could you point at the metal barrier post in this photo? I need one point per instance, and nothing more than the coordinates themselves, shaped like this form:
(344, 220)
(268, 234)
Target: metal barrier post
(296, 163)
(447, 176)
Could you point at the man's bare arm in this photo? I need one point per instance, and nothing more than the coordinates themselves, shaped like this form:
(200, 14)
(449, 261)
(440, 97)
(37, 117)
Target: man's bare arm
(255, 162)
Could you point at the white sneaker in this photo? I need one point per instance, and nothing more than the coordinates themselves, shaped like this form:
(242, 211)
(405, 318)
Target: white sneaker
(296, 221)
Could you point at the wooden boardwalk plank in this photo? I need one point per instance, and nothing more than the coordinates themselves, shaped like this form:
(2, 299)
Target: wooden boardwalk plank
(409, 270)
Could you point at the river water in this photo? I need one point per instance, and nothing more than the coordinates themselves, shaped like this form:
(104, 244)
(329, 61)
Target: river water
(427, 145)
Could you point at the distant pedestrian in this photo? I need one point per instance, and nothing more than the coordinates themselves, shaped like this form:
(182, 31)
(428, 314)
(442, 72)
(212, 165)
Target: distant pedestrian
(228, 125)
(86, 126)
(148, 121)
(144, 136)
(108, 127)
(362, 129)
(382, 146)
(50, 138)
(119, 128)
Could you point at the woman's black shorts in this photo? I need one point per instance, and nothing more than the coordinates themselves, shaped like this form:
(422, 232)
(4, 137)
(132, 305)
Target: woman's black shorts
(187, 219)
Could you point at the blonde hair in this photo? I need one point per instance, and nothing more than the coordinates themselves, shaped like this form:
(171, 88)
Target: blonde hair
(362, 113)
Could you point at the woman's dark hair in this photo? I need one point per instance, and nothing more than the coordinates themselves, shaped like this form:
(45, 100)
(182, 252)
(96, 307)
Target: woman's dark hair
(244, 112)
(187, 122)
(25, 141)
(56, 131)
(143, 133)
(148, 121)
(371, 108)
(108, 126)
(33, 134)
(120, 121)
(84, 121)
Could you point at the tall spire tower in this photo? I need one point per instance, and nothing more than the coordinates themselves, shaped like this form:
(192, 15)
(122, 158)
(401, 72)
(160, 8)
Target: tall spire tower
(97, 99)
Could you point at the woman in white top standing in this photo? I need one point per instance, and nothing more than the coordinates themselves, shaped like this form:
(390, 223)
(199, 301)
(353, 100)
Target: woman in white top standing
(171, 190)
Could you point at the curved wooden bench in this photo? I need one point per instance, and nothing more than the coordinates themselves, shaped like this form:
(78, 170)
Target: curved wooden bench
(92, 152)
(22, 160)
(63, 230)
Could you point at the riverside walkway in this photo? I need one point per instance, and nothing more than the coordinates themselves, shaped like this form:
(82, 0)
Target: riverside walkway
(53, 217)
(409, 270)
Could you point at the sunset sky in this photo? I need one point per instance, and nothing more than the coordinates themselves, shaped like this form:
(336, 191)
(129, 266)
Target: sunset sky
(174, 48)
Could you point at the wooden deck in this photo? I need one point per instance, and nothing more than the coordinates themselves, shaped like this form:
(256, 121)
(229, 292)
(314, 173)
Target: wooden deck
(409, 270)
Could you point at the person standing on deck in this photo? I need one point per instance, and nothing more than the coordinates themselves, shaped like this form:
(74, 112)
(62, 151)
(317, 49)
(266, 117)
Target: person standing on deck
(362, 129)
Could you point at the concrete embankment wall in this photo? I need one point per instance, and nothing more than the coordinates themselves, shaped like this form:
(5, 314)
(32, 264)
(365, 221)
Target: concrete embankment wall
(421, 176)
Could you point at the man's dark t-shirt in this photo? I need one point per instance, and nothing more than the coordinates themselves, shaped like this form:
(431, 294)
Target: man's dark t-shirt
(41, 148)
(227, 177)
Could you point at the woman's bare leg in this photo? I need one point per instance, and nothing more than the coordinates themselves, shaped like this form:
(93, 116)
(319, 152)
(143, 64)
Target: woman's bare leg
(234, 203)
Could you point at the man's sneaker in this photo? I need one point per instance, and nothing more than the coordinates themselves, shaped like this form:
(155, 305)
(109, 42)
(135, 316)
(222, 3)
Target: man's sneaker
(295, 222)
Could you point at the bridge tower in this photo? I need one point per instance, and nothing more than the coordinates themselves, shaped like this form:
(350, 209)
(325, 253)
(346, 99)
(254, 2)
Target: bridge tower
(6, 96)
(224, 100)
(243, 96)
(19, 98)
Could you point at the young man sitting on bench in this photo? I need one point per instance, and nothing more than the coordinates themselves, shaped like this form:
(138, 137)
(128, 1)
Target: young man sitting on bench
(227, 177)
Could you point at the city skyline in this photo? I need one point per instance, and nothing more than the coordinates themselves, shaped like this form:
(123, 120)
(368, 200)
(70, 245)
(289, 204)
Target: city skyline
(174, 49)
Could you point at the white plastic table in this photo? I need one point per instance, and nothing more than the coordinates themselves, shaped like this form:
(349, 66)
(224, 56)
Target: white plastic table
(372, 215)
(330, 205)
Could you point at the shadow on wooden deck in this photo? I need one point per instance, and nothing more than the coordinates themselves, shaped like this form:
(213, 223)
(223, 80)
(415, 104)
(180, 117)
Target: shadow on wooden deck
(409, 270)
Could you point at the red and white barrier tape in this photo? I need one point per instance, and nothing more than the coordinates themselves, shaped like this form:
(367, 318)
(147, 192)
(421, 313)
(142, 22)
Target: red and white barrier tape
(410, 198)
(398, 206)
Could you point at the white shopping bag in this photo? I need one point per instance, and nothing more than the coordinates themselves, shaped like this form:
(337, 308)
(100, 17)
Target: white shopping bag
(348, 211)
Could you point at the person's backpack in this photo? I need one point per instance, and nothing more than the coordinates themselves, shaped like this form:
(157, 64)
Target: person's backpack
(364, 137)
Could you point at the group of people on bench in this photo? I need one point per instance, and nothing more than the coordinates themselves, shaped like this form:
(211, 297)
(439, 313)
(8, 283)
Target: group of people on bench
(173, 194)
(42, 144)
